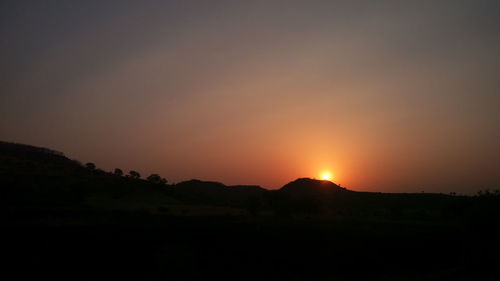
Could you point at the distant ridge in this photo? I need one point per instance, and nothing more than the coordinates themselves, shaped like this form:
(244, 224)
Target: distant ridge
(34, 178)
(216, 192)
(196, 183)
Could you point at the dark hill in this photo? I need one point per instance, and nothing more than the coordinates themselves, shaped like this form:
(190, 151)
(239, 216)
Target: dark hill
(206, 192)
(311, 188)
(34, 178)
(306, 196)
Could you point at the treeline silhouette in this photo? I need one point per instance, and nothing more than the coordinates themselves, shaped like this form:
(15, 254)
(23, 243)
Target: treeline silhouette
(69, 220)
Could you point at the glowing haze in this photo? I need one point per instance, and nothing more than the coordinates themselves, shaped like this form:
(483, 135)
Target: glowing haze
(384, 95)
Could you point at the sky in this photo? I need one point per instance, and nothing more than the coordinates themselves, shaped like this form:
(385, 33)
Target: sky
(391, 96)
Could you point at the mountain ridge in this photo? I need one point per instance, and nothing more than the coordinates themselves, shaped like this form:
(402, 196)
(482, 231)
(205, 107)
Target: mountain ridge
(34, 177)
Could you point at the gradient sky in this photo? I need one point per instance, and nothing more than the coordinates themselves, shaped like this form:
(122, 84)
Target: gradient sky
(395, 96)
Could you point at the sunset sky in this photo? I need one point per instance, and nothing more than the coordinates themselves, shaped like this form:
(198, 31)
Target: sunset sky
(392, 96)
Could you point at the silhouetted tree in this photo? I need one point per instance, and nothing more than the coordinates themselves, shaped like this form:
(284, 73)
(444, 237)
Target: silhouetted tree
(155, 178)
(134, 174)
(90, 166)
(118, 172)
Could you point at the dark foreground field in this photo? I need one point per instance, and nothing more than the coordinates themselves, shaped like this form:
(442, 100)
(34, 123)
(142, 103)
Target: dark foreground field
(61, 220)
(145, 247)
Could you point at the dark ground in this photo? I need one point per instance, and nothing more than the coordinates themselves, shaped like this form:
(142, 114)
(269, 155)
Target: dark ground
(142, 247)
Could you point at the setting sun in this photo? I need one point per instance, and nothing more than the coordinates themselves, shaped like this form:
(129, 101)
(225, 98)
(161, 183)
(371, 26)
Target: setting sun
(326, 176)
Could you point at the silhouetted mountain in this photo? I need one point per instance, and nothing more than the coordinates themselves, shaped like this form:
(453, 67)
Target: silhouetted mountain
(58, 213)
(311, 188)
(34, 177)
(207, 186)
(207, 192)
(305, 196)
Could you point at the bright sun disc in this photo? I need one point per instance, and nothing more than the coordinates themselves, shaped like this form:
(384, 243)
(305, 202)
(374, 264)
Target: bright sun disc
(326, 176)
